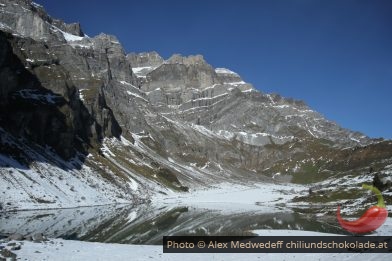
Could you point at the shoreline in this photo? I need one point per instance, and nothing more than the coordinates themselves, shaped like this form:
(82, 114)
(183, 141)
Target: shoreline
(59, 250)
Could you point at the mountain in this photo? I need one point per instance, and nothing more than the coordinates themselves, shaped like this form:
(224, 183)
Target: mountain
(84, 123)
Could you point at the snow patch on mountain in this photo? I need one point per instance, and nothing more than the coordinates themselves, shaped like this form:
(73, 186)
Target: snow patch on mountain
(225, 71)
(51, 182)
(70, 37)
(143, 71)
(136, 95)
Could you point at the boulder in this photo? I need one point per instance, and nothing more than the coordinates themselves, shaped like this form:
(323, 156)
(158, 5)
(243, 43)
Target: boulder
(383, 181)
(16, 237)
(38, 237)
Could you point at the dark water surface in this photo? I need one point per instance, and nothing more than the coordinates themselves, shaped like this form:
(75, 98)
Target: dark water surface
(147, 224)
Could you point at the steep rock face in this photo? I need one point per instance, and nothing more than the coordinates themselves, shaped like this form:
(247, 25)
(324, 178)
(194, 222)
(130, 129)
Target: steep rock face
(139, 60)
(73, 28)
(40, 102)
(181, 73)
(62, 71)
(35, 112)
(224, 103)
(144, 63)
(28, 19)
(222, 123)
(111, 54)
(188, 60)
(227, 76)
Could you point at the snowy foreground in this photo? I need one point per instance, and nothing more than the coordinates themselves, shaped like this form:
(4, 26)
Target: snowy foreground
(76, 250)
(240, 198)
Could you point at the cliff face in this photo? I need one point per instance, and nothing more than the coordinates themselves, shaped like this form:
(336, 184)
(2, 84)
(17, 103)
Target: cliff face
(140, 124)
(40, 99)
(40, 63)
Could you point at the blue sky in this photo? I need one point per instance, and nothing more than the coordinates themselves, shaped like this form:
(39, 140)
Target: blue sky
(336, 55)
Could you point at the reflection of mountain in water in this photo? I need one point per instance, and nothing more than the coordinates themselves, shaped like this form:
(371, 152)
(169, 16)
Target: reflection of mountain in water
(148, 224)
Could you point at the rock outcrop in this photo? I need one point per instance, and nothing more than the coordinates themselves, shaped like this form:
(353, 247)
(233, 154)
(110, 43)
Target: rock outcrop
(43, 79)
(150, 59)
(181, 74)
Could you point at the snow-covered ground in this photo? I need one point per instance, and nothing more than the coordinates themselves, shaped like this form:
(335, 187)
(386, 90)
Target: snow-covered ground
(234, 198)
(59, 249)
(228, 198)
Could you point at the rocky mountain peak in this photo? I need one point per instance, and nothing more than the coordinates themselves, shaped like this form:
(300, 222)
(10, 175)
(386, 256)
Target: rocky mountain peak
(224, 71)
(28, 19)
(229, 77)
(179, 73)
(107, 42)
(145, 59)
(107, 38)
(72, 28)
(187, 60)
